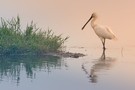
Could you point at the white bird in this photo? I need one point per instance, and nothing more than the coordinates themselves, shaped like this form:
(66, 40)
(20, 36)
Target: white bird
(102, 32)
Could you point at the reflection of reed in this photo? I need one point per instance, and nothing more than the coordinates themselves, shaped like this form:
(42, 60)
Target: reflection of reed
(103, 63)
(10, 67)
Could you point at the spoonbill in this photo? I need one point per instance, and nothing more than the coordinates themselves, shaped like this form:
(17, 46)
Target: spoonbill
(103, 32)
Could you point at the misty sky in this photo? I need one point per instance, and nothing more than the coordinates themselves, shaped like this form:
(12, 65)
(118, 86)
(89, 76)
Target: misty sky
(68, 16)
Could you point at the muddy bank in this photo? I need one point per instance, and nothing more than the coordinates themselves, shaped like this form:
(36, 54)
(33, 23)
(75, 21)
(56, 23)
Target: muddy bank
(57, 54)
(66, 54)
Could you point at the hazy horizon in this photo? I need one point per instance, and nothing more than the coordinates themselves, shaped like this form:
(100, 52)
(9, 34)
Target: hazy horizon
(67, 17)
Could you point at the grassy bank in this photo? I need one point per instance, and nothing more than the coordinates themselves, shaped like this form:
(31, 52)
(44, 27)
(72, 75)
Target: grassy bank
(31, 40)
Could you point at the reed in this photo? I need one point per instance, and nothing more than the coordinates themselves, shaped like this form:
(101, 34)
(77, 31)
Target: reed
(32, 40)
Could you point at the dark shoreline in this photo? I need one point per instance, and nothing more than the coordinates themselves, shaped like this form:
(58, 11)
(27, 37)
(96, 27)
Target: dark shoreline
(69, 54)
(57, 54)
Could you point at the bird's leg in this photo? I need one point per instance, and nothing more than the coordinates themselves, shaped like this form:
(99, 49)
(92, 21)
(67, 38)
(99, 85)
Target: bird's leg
(103, 42)
(103, 55)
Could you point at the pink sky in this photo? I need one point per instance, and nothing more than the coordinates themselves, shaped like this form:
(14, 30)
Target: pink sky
(68, 16)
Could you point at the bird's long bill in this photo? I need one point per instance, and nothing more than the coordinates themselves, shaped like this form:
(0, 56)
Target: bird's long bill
(86, 23)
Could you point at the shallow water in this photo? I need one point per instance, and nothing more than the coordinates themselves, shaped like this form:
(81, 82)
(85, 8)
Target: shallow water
(112, 69)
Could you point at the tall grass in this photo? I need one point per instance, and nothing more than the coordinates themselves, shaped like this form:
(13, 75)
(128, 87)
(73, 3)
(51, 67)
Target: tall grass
(14, 40)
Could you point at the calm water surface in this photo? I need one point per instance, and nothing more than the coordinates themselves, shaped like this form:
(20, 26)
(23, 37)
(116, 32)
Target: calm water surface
(112, 69)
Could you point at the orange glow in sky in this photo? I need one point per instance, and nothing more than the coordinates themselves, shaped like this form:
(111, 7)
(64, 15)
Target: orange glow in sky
(68, 17)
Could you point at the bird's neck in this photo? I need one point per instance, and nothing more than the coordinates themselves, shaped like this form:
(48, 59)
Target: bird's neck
(93, 22)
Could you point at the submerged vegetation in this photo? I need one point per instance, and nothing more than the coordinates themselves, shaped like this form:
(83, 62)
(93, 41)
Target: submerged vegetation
(31, 40)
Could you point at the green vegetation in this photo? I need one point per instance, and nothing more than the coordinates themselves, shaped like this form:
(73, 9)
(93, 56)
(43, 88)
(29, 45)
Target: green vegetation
(32, 40)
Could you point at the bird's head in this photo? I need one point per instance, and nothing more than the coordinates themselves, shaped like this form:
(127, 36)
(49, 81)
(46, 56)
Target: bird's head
(94, 15)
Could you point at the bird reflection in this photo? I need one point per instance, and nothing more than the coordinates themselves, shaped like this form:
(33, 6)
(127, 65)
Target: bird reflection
(103, 63)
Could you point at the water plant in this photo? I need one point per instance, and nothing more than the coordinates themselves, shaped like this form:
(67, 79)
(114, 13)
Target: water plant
(32, 40)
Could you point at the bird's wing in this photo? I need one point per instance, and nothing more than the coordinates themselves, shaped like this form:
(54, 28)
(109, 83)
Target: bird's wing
(104, 32)
(111, 33)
